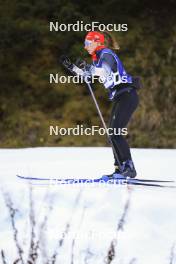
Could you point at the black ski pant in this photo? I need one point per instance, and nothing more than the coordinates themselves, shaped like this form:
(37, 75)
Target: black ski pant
(123, 107)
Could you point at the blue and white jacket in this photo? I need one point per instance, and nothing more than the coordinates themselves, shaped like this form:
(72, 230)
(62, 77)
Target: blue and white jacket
(109, 68)
(111, 71)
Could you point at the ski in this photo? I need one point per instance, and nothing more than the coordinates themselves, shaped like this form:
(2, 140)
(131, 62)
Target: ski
(118, 181)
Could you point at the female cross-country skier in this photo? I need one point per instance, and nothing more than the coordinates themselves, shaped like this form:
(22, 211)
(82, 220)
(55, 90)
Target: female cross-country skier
(122, 91)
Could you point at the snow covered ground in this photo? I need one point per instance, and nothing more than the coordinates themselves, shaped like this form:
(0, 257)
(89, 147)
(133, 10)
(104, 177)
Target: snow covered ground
(92, 212)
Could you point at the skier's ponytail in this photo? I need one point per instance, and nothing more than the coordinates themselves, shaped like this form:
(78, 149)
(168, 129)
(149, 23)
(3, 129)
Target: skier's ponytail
(110, 41)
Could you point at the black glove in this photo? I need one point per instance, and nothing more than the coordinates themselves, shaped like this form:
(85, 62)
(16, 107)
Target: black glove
(66, 62)
(82, 64)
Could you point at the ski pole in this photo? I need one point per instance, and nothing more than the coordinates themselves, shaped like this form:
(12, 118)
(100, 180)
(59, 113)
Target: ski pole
(74, 69)
(104, 125)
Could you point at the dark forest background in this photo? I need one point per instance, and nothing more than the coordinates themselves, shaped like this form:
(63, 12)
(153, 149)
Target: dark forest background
(29, 52)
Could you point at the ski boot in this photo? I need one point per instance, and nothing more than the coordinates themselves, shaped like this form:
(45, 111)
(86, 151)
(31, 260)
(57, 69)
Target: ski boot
(128, 171)
(117, 174)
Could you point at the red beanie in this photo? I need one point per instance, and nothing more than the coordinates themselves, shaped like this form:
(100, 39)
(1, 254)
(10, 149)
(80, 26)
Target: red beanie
(95, 36)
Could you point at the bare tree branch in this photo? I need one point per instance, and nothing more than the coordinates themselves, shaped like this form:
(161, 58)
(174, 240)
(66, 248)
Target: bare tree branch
(41, 234)
(121, 222)
(67, 228)
(60, 244)
(12, 213)
(133, 261)
(172, 255)
(88, 255)
(3, 257)
(75, 237)
(120, 226)
(111, 252)
(16, 261)
(34, 245)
